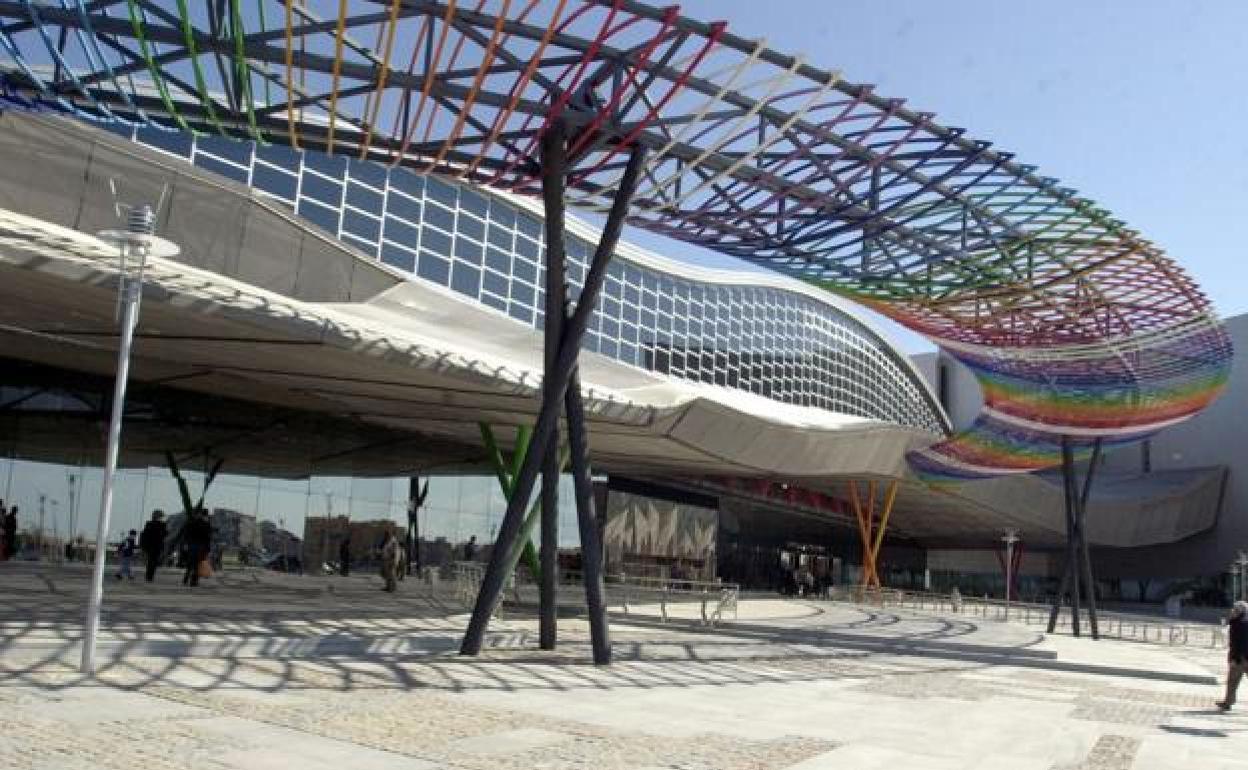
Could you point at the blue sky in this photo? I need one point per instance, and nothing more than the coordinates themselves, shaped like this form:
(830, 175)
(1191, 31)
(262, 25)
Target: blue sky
(1141, 106)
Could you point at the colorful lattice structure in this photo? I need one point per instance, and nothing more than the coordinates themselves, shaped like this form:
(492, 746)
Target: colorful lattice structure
(1077, 328)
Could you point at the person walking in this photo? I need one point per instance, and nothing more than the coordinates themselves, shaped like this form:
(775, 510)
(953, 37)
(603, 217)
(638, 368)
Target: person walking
(344, 556)
(391, 560)
(198, 537)
(152, 542)
(10, 532)
(125, 553)
(470, 548)
(1237, 652)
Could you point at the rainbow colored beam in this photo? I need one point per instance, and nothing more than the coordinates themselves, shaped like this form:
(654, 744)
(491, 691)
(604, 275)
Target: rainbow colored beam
(1077, 328)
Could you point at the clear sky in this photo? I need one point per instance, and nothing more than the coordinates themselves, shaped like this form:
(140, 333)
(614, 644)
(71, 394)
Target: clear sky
(1141, 105)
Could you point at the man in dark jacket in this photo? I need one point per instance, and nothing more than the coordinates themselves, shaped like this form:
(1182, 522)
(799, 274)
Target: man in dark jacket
(10, 532)
(152, 542)
(1237, 652)
(197, 535)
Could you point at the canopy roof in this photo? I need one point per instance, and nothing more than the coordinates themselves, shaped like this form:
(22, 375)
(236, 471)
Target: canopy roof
(1076, 326)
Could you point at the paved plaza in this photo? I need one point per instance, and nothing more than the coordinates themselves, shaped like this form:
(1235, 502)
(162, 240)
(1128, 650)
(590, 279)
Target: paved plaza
(270, 671)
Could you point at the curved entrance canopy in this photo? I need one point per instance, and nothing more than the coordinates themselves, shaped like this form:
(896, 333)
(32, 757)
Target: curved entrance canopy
(1077, 328)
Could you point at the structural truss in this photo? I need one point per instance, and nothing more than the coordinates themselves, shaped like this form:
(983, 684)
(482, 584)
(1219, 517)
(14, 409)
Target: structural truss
(1075, 325)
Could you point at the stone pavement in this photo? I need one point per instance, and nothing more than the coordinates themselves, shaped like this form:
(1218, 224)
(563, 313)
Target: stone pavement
(268, 671)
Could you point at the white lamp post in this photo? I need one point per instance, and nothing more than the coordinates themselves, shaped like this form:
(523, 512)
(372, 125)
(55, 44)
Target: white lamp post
(1010, 538)
(137, 241)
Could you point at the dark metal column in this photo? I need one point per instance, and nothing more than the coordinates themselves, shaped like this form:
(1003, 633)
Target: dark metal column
(1068, 566)
(552, 405)
(416, 494)
(1072, 531)
(1085, 559)
(587, 523)
(554, 172)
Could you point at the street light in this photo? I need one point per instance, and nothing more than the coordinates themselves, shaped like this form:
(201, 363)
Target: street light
(136, 241)
(1010, 538)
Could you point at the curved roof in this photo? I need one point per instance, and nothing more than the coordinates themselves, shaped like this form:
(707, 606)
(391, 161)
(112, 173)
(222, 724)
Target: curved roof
(1078, 328)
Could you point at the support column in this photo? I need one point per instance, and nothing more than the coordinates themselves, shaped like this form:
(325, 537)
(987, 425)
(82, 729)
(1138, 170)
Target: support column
(559, 378)
(587, 524)
(871, 532)
(1077, 570)
(554, 172)
(1085, 554)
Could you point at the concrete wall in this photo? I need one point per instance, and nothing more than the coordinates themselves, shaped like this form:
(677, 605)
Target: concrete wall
(59, 170)
(962, 399)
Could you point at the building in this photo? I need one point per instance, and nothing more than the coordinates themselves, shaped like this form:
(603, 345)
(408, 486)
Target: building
(332, 318)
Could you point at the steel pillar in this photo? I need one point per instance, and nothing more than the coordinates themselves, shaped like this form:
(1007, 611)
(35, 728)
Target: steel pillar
(558, 379)
(1077, 573)
(554, 174)
(587, 523)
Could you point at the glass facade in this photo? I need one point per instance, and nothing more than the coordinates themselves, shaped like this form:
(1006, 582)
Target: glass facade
(61, 501)
(776, 342)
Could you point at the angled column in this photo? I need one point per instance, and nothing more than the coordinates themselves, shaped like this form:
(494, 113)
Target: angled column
(554, 172)
(558, 378)
(1077, 571)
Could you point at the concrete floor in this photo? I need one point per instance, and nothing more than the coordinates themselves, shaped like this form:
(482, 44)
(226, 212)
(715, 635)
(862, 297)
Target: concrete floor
(269, 671)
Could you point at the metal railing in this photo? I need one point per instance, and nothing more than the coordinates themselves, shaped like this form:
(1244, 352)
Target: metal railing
(1112, 625)
(715, 599)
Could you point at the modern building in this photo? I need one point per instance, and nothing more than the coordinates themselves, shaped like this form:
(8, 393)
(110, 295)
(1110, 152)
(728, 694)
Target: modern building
(333, 326)
(355, 305)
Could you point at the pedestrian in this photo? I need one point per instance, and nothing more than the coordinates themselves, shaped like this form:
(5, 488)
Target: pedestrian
(152, 542)
(198, 537)
(1236, 652)
(391, 560)
(125, 553)
(470, 548)
(344, 556)
(10, 532)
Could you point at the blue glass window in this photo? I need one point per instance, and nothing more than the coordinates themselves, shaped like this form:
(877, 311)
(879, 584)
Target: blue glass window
(524, 270)
(402, 206)
(402, 233)
(220, 167)
(400, 258)
(369, 172)
(176, 142)
(466, 280)
(274, 182)
(473, 228)
(436, 242)
(473, 202)
(495, 283)
(364, 199)
(321, 190)
(361, 226)
(434, 268)
(440, 191)
(227, 149)
(279, 155)
(405, 181)
(325, 218)
(468, 251)
(329, 165)
(499, 260)
(523, 293)
(440, 217)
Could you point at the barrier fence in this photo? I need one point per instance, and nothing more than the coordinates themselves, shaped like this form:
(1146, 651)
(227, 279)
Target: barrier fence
(1112, 625)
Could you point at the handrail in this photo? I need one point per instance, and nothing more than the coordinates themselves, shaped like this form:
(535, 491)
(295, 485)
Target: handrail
(1113, 625)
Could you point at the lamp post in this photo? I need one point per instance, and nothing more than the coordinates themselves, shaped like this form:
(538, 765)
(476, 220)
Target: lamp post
(135, 241)
(1010, 538)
